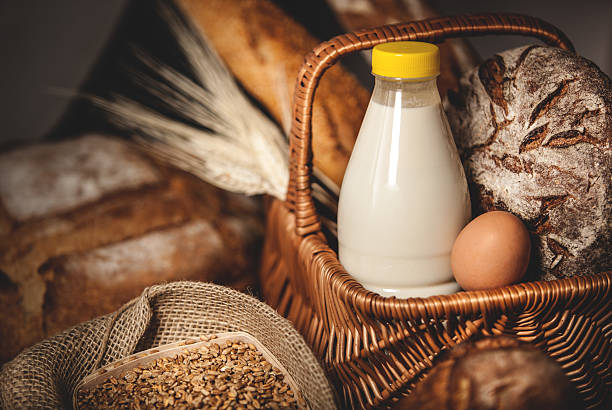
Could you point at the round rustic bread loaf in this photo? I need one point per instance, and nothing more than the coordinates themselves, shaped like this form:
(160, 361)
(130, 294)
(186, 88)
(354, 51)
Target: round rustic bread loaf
(494, 373)
(534, 129)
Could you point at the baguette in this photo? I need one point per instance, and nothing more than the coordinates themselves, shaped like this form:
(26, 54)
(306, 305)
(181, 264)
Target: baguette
(457, 56)
(264, 49)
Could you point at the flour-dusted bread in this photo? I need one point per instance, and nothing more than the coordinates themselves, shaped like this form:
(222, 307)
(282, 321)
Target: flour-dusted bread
(87, 224)
(534, 129)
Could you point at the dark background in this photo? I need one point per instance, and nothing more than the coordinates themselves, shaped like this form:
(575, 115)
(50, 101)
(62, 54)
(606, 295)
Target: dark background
(50, 49)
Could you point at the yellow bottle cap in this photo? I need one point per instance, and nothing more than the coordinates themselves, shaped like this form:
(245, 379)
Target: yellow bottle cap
(406, 59)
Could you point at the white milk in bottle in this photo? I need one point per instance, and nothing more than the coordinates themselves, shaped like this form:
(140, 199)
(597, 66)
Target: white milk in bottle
(404, 196)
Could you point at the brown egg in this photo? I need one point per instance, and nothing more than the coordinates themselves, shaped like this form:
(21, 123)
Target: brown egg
(491, 251)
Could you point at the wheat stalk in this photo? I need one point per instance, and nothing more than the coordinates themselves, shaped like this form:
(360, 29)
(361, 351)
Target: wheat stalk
(236, 148)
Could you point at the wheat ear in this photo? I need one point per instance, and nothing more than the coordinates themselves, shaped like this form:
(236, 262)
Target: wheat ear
(235, 147)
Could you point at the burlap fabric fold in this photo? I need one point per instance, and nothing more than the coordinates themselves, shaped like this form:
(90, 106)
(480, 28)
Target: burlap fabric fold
(45, 375)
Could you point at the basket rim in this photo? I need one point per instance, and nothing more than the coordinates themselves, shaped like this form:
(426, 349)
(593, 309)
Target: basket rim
(318, 256)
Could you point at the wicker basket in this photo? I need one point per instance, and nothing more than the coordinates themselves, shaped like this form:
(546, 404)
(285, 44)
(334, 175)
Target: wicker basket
(376, 348)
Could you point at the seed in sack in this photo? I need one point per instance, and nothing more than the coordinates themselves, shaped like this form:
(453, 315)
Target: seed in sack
(230, 375)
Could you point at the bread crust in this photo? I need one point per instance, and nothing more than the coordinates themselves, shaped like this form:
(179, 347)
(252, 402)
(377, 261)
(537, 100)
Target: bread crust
(264, 49)
(494, 373)
(534, 129)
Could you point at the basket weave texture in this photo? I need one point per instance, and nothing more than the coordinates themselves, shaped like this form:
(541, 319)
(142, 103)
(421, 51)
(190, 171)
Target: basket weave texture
(46, 375)
(376, 348)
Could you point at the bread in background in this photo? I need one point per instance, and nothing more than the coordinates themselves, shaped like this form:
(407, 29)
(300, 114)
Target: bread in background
(87, 223)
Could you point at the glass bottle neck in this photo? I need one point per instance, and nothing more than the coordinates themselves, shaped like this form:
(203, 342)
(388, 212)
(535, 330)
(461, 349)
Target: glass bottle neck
(411, 93)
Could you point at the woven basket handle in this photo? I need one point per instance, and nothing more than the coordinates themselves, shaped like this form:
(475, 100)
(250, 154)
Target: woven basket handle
(299, 195)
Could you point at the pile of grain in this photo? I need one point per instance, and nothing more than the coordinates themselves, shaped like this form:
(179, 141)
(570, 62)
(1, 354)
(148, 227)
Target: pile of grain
(232, 374)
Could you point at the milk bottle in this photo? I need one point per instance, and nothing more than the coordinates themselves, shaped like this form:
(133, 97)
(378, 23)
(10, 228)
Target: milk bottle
(404, 196)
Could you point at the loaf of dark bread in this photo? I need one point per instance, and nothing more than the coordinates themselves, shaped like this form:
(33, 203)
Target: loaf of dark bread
(534, 129)
(494, 373)
(86, 224)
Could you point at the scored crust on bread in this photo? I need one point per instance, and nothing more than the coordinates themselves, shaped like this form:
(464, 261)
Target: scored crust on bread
(534, 128)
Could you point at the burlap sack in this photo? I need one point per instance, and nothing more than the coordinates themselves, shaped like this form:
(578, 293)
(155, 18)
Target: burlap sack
(45, 375)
